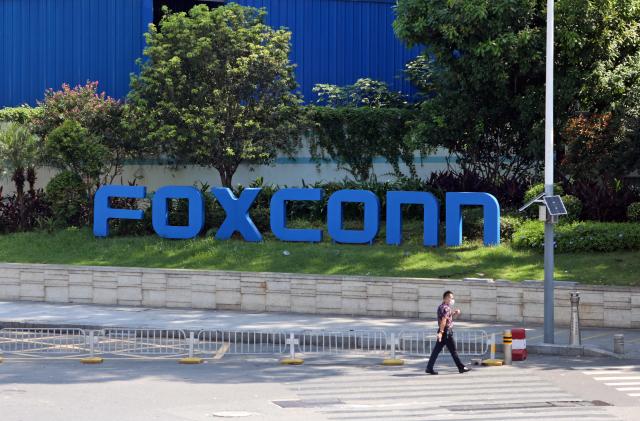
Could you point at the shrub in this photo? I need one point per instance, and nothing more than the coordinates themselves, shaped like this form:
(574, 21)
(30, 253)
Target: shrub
(99, 114)
(538, 189)
(71, 147)
(23, 114)
(354, 136)
(586, 236)
(509, 224)
(633, 212)
(572, 203)
(35, 207)
(69, 200)
(604, 200)
(573, 206)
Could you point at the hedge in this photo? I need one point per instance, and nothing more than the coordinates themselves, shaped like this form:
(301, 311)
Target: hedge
(586, 236)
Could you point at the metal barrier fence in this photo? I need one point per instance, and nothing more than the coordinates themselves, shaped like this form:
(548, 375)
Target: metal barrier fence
(421, 342)
(50, 343)
(175, 344)
(140, 343)
(336, 342)
(240, 342)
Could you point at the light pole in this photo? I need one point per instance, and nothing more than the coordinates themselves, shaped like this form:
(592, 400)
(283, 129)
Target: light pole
(548, 181)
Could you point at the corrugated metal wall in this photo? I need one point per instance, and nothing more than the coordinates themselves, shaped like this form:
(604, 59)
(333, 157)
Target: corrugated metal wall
(339, 41)
(44, 43)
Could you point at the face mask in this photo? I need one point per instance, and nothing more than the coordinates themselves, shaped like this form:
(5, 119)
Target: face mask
(452, 302)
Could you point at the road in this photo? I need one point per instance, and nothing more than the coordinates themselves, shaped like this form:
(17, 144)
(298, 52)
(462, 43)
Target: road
(332, 388)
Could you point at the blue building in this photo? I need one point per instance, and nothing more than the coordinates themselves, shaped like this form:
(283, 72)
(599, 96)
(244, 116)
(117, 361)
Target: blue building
(45, 43)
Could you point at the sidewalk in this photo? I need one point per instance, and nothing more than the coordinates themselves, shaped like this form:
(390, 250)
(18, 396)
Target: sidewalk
(19, 314)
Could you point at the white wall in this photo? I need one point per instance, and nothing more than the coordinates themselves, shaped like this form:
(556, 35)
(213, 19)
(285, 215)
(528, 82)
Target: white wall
(283, 172)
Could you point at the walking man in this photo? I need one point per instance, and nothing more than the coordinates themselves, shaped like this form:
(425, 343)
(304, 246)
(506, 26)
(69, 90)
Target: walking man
(445, 334)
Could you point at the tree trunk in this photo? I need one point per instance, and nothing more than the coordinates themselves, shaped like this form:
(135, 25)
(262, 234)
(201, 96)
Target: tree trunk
(226, 176)
(19, 179)
(31, 179)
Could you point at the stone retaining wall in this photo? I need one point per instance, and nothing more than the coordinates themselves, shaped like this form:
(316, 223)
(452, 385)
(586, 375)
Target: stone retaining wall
(479, 299)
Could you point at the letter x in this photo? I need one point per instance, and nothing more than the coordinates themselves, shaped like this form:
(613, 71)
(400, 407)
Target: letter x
(237, 210)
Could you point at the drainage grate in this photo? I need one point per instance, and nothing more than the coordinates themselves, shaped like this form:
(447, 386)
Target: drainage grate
(308, 403)
(525, 405)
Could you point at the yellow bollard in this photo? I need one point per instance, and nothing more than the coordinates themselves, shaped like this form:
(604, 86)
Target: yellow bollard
(507, 340)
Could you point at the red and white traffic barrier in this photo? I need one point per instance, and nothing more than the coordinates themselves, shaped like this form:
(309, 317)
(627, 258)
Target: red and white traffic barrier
(519, 345)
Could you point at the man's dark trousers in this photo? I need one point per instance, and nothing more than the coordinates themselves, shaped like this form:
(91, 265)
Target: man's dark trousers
(447, 339)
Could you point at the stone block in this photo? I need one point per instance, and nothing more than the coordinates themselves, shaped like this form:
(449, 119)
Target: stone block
(82, 294)
(255, 286)
(105, 296)
(329, 287)
(56, 278)
(9, 292)
(481, 293)
(617, 318)
(179, 297)
(80, 278)
(282, 286)
(278, 301)
(375, 289)
(635, 318)
(105, 280)
(9, 274)
(354, 306)
(129, 293)
(154, 280)
(483, 310)
(32, 276)
(254, 302)
(532, 309)
(204, 300)
(301, 286)
(130, 279)
(229, 283)
(175, 281)
(56, 294)
(405, 308)
(532, 296)
(303, 304)
(617, 300)
(431, 292)
(591, 297)
(405, 292)
(228, 299)
(354, 289)
(384, 304)
(333, 302)
(509, 312)
(32, 291)
(154, 298)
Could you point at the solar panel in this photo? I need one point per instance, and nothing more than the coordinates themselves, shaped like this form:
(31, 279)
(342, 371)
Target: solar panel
(554, 205)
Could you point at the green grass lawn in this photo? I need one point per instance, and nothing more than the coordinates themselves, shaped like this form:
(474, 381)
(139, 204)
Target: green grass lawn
(79, 247)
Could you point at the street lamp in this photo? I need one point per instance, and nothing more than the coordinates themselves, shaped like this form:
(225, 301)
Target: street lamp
(548, 181)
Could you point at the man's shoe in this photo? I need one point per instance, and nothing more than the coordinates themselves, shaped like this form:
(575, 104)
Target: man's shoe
(433, 373)
(464, 370)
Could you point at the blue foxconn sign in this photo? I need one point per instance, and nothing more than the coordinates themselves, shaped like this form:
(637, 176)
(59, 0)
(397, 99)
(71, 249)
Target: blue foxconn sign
(238, 219)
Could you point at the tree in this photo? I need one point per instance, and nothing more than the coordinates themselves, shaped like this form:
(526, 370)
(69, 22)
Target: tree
(484, 66)
(357, 123)
(73, 148)
(19, 154)
(216, 89)
(98, 114)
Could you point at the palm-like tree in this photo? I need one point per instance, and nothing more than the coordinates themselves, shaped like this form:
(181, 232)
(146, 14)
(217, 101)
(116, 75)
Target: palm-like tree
(19, 153)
